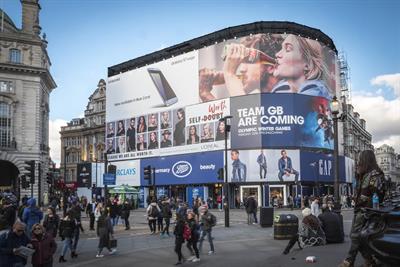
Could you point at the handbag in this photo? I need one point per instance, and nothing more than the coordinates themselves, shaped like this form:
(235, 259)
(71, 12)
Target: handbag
(113, 243)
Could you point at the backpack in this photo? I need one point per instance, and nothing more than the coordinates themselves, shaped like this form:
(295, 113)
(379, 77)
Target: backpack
(153, 212)
(187, 233)
(213, 220)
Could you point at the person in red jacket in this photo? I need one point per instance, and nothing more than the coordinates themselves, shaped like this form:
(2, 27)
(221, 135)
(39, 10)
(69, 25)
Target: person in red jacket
(44, 246)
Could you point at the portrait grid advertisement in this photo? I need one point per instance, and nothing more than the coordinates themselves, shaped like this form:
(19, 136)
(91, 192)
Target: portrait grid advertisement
(263, 165)
(170, 91)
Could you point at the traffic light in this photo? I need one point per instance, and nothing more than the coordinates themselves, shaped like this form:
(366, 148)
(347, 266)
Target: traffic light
(49, 178)
(24, 182)
(147, 172)
(112, 169)
(221, 174)
(31, 170)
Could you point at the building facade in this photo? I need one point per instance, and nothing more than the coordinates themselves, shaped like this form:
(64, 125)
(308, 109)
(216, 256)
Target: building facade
(389, 162)
(25, 87)
(82, 140)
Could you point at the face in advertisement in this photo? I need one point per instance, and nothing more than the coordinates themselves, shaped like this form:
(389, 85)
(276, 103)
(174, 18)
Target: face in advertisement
(300, 67)
(207, 134)
(165, 120)
(110, 130)
(286, 168)
(247, 67)
(141, 126)
(239, 169)
(110, 146)
(220, 131)
(153, 123)
(121, 128)
(179, 129)
(166, 139)
(193, 137)
(153, 143)
(141, 143)
(121, 145)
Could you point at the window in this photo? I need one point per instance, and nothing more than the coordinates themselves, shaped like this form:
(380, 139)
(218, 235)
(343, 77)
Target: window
(15, 56)
(6, 86)
(5, 124)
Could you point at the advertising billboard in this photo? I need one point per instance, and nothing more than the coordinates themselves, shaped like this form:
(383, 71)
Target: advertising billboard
(264, 165)
(319, 167)
(198, 168)
(194, 128)
(84, 175)
(281, 120)
(127, 172)
(267, 63)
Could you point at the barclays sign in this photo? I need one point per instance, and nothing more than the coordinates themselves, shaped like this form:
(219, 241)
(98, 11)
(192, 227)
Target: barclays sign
(182, 169)
(126, 171)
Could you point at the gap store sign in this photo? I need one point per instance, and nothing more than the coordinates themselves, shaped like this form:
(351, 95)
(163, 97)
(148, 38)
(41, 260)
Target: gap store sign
(198, 168)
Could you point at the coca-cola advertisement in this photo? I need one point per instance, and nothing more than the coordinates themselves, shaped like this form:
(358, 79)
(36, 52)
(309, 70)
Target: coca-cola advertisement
(266, 63)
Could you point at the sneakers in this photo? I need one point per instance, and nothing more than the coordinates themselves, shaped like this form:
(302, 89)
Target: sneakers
(113, 251)
(191, 258)
(345, 263)
(99, 256)
(178, 263)
(211, 252)
(196, 259)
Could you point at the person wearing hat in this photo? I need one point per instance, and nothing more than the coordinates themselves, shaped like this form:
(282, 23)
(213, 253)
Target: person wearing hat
(166, 142)
(310, 230)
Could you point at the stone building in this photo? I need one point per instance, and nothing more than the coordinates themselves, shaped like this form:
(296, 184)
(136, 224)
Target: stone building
(389, 162)
(25, 87)
(82, 140)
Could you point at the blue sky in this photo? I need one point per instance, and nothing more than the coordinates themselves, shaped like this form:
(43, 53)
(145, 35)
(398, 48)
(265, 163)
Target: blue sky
(87, 36)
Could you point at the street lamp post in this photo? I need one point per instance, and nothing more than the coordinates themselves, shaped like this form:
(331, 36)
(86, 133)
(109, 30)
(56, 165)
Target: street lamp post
(335, 112)
(226, 186)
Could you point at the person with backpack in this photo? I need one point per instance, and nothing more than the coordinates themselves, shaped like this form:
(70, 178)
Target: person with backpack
(191, 235)
(369, 180)
(104, 232)
(31, 215)
(152, 215)
(207, 222)
(179, 240)
(51, 222)
(167, 214)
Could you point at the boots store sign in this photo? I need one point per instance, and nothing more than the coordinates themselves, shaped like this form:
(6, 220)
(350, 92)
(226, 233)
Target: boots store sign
(199, 168)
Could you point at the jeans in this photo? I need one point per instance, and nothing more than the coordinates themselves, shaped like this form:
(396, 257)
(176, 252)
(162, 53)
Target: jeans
(166, 228)
(290, 171)
(178, 249)
(126, 219)
(160, 224)
(152, 225)
(192, 246)
(91, 215)
(203, 234)
(115, 221)
(76, 239)
(67, 244)
(263, 171)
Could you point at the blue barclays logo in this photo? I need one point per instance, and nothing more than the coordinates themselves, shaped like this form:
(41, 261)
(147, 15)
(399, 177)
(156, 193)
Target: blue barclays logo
(182, 169)
(127, 171)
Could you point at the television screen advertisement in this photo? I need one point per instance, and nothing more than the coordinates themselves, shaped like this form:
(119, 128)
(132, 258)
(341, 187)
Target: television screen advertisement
(263, 63)
(281, 120)
(263, 165)
(156, 87)
(198, 168)
(84, 174)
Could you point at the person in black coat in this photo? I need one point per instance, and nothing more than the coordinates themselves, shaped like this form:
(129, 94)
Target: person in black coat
(251, 207)
(178, 232)
(51, 222)
(125, 212)
(332, 224)
(67, 229)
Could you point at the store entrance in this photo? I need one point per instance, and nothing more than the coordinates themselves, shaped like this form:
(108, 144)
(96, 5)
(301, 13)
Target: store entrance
(179, 191)
(248, 190)
(277, 195)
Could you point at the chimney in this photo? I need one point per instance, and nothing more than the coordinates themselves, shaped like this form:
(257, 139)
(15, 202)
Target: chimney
(30, 16)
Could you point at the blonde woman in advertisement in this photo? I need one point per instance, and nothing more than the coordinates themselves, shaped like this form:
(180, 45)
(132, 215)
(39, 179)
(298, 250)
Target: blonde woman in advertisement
(207, 134)
(121, 145)
(300, 68)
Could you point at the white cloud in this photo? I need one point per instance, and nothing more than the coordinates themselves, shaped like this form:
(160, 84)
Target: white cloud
(382, 116)
(54, 139)
(390, 80)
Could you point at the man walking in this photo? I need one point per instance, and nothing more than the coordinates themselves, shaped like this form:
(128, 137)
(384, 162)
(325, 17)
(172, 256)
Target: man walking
(207, 222)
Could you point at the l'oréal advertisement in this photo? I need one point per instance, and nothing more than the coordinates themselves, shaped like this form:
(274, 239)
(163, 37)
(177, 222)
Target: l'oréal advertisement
(195, 128)
(281, 120)
(264, 165)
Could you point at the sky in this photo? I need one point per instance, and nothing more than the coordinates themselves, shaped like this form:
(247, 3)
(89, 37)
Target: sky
(87, 36)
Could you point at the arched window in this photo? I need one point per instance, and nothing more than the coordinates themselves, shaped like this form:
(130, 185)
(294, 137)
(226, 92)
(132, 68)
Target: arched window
(15, 56)
(5, 125)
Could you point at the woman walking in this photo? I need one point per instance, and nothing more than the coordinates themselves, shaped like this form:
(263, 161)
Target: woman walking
(104, 232)
(51, 222)
(44, 245)
(194, 237)
(67, 228)
(178, 232)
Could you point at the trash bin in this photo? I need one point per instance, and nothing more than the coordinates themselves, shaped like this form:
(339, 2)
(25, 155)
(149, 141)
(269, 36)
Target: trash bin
(266, 216)
(285, 226)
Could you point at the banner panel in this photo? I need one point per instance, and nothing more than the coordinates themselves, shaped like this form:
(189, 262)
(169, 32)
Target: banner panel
(84, 175)
(319, 167)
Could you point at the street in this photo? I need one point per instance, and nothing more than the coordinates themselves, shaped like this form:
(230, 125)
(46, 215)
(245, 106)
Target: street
(238, 245)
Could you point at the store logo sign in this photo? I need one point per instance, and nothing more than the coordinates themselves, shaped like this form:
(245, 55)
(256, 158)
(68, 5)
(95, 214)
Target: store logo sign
(182, 169)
